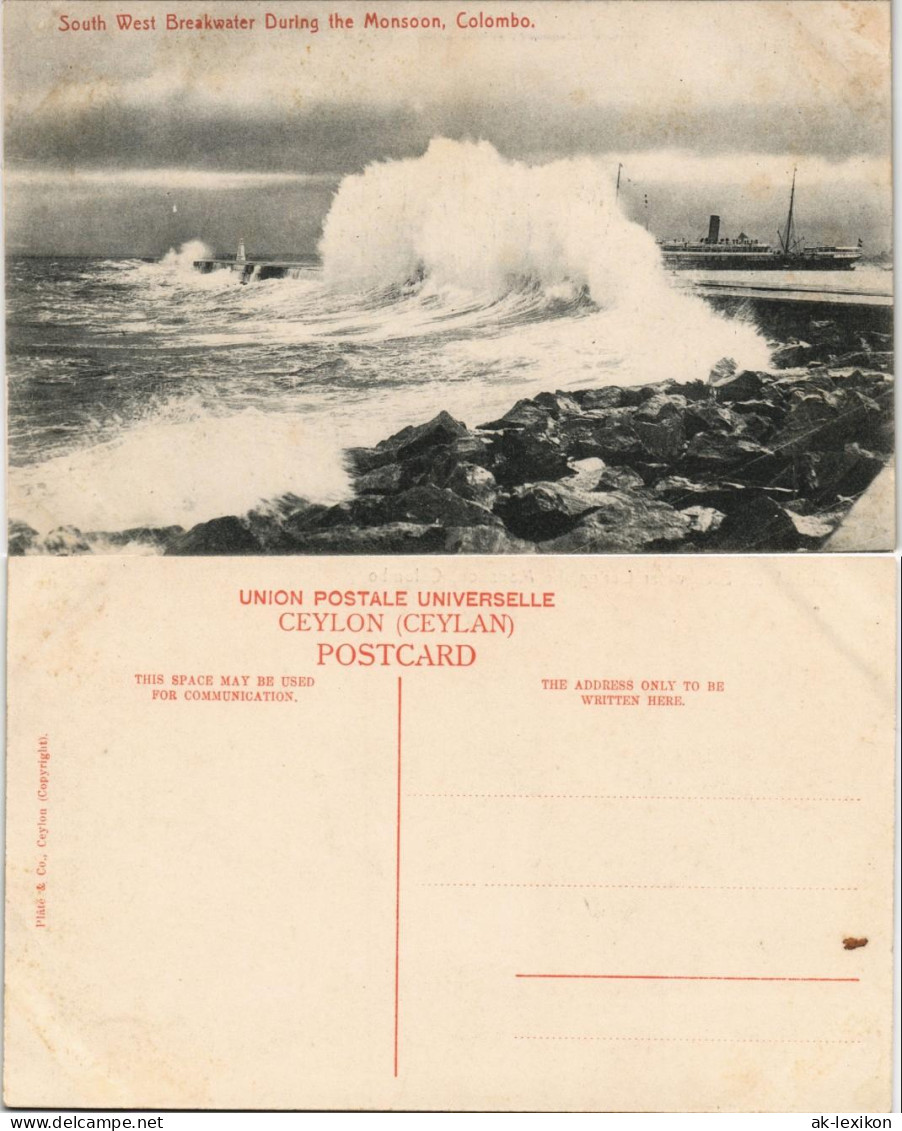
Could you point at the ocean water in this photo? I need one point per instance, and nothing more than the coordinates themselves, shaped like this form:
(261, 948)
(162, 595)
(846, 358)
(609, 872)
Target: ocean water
(150, 394)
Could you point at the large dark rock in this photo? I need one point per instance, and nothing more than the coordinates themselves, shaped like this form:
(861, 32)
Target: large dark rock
(772, 410)
(441, 429)
(708, 416)
(409, 442)
(526, 456)
(157, 537)
(663, 440)
(381, 480)
(559, 403)
(682, 493)
(813, 529)
(609, 396)
(361, 460)
(525, 414)
(828, 421)
(22, 538)
(584, 473)
(275, 522)
(578, 439)
(825, 332)
(653, 389)
(468, 449)
(755, 426)
(649, 470)
(875, 340)
(807, 413)
(702, 520)
(758, 525)
(831, 475)
(608, 434)
(619, 479)
(66, 541)
(425, 504)
(661, 407)
(544, 510)
(814, 379)
(625, 522)
(537, 412)
(882, 360)
(791, 356)
(424, 459)
(442, 463)
(477, 484)
(484, 540)
(717, 453)
(392, 538)
(691, 390)
(227, 535)
(862, 379)
(742, 387)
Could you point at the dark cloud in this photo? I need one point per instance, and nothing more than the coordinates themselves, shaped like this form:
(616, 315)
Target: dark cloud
(123, 220)
(341, 138)
(325, 140)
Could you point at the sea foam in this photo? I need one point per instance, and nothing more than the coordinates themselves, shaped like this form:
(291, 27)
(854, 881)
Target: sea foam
(463, 219)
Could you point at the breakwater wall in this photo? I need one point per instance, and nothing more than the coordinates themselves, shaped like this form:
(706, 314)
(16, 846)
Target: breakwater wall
(744, 461)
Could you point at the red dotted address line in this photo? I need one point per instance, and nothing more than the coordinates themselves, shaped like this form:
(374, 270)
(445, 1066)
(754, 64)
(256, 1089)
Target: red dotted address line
(624, 797)
(694, 1040)
(626, 887)
(685, 977)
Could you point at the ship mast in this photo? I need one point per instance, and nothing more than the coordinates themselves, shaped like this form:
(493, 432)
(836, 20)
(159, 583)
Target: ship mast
(787, 242)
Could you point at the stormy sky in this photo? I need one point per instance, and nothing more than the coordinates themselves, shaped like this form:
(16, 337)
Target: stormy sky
(707, 103)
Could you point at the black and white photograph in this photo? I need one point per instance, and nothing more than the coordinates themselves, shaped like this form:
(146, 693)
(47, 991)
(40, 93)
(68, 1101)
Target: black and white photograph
(569, 278)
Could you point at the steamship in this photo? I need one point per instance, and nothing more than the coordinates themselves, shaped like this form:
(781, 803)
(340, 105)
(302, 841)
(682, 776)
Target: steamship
(711, 253)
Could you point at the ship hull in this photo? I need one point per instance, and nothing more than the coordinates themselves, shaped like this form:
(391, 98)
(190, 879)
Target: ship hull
(699, 261)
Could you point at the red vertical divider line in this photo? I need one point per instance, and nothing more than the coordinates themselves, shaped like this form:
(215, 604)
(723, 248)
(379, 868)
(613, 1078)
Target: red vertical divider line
(398, 884)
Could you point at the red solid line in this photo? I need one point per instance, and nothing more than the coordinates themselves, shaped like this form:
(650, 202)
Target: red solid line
(687, 977)
(398, 884)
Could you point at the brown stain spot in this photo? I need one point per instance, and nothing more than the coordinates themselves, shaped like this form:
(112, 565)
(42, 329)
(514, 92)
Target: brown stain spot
(761, 186)
(823, 67)
(869, 23)
(853, 944)
(51, 1048)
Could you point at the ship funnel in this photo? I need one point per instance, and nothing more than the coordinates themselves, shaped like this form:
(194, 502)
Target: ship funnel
(713, 229)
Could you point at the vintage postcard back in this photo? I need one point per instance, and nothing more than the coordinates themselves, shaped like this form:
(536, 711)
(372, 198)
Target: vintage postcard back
(559, 836)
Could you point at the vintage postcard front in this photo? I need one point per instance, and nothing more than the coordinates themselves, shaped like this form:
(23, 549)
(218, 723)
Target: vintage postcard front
(479, 835)
(565, 278)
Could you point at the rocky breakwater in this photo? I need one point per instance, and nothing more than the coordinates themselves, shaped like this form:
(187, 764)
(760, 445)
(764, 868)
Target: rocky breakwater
(746, 461)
